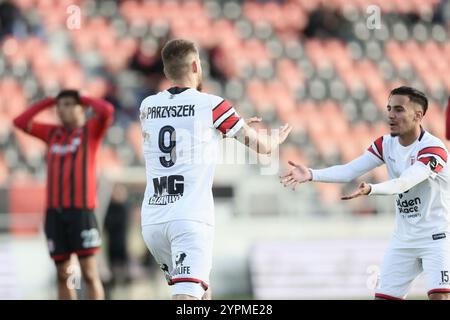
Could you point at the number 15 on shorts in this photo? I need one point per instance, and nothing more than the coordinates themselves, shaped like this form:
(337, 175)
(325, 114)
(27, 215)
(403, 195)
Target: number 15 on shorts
(444, 276)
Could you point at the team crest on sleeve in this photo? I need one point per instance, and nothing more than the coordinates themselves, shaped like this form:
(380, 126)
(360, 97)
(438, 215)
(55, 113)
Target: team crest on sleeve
(433, 164)
(433, 157)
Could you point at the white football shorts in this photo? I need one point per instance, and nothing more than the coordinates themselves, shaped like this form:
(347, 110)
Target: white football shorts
(183, 249)
(402, 265)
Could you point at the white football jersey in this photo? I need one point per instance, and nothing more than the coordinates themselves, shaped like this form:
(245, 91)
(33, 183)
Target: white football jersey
(422, 213)
(181, 130)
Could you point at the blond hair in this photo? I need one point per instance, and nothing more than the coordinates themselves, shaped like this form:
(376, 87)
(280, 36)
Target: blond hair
(175, 55)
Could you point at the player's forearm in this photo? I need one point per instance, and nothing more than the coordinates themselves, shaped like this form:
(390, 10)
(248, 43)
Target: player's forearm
(336, 174)
(253, 140)
(346, 172)
(101, 107)
(410, 177)
(262, 145)
(259, 146)
(23, 120)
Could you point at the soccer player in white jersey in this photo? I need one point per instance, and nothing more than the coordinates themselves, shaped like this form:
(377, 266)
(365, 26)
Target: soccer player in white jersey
(417, 166)
(181, 129)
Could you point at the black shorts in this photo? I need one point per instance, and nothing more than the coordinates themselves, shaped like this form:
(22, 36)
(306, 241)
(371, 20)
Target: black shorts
(71, 231)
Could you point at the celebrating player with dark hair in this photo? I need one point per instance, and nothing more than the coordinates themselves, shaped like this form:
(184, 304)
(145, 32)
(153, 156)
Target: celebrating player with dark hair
(417, 165)
(70, 223)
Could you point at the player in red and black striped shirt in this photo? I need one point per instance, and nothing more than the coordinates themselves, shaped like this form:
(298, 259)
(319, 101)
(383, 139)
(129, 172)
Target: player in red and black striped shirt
(70, 224)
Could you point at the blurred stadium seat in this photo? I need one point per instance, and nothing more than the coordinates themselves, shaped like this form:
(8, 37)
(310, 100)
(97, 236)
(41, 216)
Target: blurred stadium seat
(332, 86)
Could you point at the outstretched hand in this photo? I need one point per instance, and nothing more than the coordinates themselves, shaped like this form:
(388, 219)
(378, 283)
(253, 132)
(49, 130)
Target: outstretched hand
(297, 175)
(253, 120)
(283, 133)
(363, 190)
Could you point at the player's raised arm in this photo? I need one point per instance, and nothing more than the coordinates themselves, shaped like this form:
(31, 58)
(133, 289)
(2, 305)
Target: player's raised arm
(104, 112)
(262, 144)
(430, 161)
(102, 108)
(408, 179)
(24, 120)
(230, 124)
(337, 174)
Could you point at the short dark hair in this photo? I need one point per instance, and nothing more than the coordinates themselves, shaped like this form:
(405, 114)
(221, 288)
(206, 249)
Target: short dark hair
(414, 95)
(174, 54)
(69, 93)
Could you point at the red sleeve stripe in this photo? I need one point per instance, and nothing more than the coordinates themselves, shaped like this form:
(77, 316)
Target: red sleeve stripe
(379, 146)
(426, 160)
(221, 109)
(374, 153)
(429, 155)
(229, 124)
(224, 117)
(235, 128)
(436, 151)
(220, 103)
